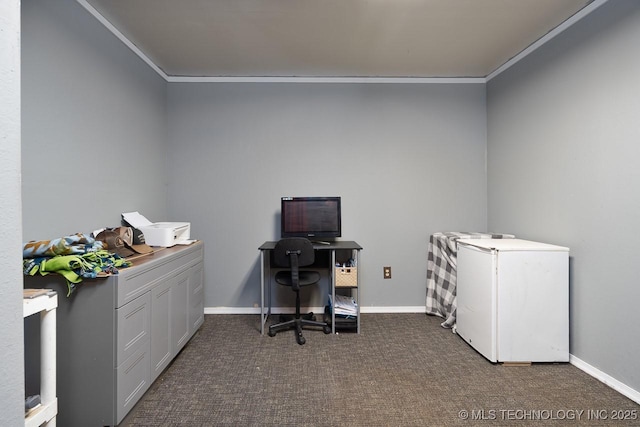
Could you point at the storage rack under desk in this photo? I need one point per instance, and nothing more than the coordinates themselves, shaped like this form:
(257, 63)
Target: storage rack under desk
(332, 247)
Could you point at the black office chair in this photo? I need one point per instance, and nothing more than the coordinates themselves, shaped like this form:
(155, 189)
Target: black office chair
(292, 253)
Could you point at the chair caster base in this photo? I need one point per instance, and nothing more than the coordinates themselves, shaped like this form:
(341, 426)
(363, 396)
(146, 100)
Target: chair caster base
(297, 325)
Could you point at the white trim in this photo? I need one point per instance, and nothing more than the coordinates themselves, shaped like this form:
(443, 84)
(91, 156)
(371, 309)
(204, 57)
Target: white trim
(550, 35)
(256, 310)
(232, 310)
(289, 310)
(265, 79)
(605, 378)
(293, 79)
(409, 309)
(122, 38)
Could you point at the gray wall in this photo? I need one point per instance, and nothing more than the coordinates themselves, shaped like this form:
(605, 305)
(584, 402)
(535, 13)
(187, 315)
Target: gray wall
(93, 146)
(563, 150)
(93, 125)
(408, 160)
(11, 324)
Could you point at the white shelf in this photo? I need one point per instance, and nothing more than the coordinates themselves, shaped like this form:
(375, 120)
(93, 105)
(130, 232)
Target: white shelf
(44, 302)
(43, 414)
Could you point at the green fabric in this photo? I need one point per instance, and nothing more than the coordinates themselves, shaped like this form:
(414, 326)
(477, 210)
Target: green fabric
(74, 268)
(65, 265)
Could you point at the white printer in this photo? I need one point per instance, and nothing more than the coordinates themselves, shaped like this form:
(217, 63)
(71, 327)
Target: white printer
(165, 234)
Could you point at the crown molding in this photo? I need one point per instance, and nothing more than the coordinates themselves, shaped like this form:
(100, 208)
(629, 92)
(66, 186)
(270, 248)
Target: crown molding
(547, 37)
(293, 79)
(122, 38)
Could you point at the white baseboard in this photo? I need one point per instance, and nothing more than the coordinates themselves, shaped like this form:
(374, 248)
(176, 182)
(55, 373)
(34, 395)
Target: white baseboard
(232, 310)
(403, 309)
(288, 310)
(605, 378)
(256, 310)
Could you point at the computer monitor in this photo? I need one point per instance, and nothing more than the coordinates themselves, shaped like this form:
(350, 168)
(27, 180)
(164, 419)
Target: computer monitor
(311, 217)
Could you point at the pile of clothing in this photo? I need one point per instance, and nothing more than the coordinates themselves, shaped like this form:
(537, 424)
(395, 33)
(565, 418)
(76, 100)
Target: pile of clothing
(75, 257)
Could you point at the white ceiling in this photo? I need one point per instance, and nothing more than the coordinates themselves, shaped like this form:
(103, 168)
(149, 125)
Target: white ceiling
(334, 38)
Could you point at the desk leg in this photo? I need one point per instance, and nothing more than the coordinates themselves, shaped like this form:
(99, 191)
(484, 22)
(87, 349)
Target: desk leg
(358, 290)
(268, 279)
(265, 286)
(262, 292)
(265, 276)
(332, 270)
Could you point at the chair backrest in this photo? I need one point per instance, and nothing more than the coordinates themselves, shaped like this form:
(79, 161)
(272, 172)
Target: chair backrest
(293, 247)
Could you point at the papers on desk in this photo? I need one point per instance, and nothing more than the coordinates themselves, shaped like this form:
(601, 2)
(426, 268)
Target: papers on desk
(344, 306)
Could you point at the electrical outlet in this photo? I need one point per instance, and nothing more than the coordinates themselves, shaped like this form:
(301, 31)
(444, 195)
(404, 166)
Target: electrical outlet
(386, 272)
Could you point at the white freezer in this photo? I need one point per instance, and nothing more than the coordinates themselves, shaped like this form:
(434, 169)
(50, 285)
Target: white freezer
(513, 299)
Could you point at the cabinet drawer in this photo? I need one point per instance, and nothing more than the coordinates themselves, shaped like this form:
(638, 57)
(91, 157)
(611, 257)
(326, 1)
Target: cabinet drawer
(133, 326)
(133, 379)
(134, 282)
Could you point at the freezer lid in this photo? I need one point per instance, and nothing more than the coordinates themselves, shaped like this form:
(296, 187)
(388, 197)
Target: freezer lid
(511, 245)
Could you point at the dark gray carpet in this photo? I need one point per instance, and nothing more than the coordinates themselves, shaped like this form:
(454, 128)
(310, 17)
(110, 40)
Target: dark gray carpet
(402, 370)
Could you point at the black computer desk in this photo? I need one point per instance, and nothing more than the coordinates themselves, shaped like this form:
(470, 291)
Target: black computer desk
(331, 247)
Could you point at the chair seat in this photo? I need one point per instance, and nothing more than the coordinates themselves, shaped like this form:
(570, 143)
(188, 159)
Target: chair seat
(305, 278)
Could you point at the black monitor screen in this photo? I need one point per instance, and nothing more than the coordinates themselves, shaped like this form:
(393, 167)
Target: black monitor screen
(311, 217)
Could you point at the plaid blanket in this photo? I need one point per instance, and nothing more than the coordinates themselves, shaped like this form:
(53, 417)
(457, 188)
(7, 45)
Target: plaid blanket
(441, 272)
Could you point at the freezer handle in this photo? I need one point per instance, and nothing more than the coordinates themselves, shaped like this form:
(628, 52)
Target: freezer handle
(475, 248)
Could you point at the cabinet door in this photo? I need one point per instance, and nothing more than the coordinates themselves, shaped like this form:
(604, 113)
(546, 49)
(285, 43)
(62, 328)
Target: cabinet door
(179, 312)
(160, 328)
(133, 326)
(196, 298)
(169, 320)
(133, 380)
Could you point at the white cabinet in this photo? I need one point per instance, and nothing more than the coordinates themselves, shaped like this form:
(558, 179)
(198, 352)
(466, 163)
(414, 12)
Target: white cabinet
(117, 334)
(513, 299)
